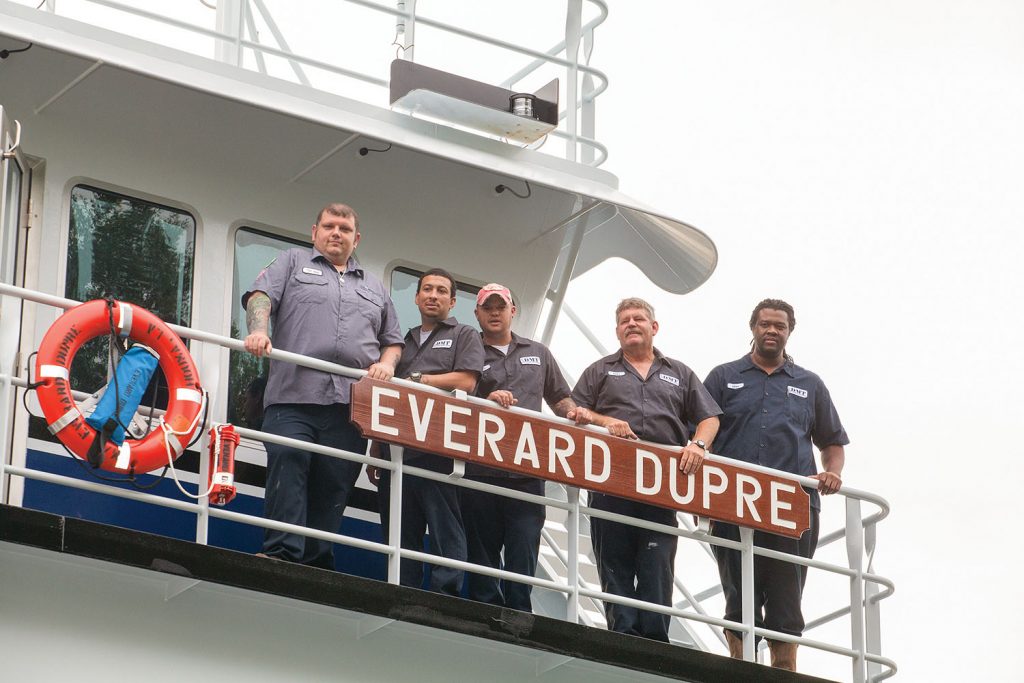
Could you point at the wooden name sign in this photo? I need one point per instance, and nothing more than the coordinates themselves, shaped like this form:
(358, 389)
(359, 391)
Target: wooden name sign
(536, 446)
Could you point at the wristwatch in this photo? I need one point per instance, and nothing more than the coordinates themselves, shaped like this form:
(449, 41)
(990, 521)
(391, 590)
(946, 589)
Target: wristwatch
(416, 376)
(702, 445)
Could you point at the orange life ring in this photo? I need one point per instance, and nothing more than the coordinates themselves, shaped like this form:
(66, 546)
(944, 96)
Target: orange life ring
(63, 416)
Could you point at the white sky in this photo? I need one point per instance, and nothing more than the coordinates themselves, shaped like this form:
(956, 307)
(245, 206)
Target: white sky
(861, 160)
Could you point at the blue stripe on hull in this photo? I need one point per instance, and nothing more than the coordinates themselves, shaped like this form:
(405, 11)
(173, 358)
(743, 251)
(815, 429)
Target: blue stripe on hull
(130, 514)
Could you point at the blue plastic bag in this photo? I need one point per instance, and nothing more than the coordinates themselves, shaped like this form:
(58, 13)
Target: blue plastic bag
(132, 376)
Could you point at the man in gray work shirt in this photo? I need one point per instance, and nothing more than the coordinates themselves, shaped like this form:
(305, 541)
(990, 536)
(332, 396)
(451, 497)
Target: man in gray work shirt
(323, 305)
(639, 393)
(503, 532)
(441, 352)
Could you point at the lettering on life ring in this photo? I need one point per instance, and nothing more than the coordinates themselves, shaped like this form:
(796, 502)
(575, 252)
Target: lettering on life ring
(64, 419)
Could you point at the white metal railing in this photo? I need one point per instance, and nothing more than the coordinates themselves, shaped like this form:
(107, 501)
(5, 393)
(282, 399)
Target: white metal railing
(235, 18)
(866, 588)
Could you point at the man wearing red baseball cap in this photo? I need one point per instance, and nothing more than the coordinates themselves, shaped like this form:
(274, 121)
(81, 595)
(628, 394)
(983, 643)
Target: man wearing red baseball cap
(520, 372)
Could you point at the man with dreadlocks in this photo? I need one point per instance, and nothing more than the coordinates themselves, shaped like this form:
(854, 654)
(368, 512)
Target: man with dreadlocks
(773, 410)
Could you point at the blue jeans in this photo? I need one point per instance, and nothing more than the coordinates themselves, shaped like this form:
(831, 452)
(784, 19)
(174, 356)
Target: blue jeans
(494, 522)
(304, 488)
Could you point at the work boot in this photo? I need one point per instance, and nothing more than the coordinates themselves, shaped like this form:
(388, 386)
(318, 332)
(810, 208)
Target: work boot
(735, 645)
(783, 655)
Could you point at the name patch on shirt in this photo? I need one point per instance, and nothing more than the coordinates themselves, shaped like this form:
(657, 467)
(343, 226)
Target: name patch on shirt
(312, 271)
(797, 391)
(530, 360)
(669, 378)
(734, 385)
(616, 373)
(442, 344)
(485, 368)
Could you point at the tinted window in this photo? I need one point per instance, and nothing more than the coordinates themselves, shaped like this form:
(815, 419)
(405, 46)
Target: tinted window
(129, 249)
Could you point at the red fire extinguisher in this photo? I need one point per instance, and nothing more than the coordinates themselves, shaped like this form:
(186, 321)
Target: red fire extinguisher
(223, 442)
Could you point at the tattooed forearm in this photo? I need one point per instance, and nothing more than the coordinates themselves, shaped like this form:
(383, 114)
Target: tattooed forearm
(257, 312)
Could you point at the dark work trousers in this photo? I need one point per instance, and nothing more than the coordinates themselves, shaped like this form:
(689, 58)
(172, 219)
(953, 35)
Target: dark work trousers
(778, 585)
(304, 488)
(635, 563)
(434, 505)
(494, 522)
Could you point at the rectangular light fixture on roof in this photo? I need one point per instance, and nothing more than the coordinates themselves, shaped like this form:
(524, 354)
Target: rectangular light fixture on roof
(447, 98)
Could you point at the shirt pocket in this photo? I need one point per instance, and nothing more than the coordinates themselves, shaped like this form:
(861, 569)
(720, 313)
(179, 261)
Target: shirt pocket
(799, 410)
(309, 289)
(370, 305)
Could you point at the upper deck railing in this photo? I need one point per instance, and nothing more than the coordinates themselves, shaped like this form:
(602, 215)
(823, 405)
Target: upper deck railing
(238, 26)
(866, 589)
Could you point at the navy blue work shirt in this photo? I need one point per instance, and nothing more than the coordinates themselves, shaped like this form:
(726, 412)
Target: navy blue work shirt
(530, 372)
(318, 312)
(658, 408)
(772, 420)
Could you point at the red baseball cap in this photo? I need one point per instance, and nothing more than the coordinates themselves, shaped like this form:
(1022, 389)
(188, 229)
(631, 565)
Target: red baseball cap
(487, 291)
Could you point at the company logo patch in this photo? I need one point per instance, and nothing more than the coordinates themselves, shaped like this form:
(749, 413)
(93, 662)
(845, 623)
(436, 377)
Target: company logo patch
(616, 373)
(485, 368)
(442, 344)
(312, 271)
(797, 391)
(734, 385)
(669, 378)
(530, 360)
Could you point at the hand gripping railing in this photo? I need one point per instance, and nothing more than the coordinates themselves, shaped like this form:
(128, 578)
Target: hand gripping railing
(867, 589)
(579, 104)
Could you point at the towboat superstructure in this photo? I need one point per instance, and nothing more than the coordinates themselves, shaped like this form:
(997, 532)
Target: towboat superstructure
(165, 163)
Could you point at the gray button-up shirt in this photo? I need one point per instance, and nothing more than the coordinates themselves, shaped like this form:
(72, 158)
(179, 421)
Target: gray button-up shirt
(659, 408)
(450, 347)
(530, 372)
(316, 311)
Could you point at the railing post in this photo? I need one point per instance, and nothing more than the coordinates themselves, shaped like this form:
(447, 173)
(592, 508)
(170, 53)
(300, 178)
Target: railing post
(395, 516)
(572, 525)
(747, 583)
(203, 517)
(588, 104)
(229, 21)
(405, 29)
(855, 556)
(873, 612)
(573, 25)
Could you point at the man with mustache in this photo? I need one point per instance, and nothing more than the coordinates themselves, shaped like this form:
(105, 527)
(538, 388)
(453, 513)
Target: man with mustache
(773, 410)
(639, 393)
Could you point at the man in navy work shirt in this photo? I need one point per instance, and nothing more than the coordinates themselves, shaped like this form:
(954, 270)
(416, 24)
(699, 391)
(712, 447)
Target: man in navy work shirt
(520, 372)
(639, 393)
(323, 305)
(441, 352)
(773, 411)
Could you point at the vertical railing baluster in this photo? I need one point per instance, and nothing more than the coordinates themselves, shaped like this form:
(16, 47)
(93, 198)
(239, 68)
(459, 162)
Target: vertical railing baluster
(572, 525)
(747, 584)
(395, 516)
(855, 556)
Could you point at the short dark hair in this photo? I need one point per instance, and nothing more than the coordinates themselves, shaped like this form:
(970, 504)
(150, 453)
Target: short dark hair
(439, 272)
(339, 209)
(776, 305)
